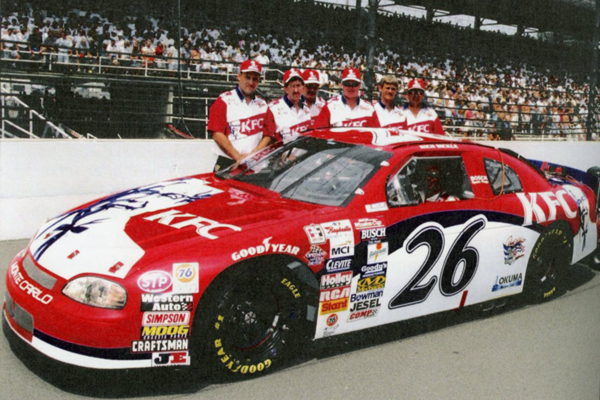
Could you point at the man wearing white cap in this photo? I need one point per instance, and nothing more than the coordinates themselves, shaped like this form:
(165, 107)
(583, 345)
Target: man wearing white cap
(389, 115)
(419, 117)
(348, 109)
(236, 119)
(288, 116)
(312, 82)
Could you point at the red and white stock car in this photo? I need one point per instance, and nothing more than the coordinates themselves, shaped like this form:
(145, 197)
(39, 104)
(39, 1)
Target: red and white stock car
(338, 231)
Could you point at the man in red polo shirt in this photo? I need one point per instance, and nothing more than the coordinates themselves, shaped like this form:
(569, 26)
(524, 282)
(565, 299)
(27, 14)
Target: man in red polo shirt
(419, 117)
(288, 116)
(236, 119)
(348, 109)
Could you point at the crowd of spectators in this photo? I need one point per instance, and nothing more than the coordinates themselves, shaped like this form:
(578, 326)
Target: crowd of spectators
(530, 88)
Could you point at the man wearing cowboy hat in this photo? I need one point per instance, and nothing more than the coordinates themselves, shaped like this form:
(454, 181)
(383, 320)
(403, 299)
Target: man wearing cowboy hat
(348, 109)
(288, 116)
(236, 119)
(419, 117)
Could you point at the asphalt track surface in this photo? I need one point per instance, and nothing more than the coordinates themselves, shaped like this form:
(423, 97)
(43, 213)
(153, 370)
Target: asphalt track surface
(544, 351)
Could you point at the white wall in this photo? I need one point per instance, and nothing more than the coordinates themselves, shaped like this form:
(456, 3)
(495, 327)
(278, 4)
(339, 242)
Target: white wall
(40, 179)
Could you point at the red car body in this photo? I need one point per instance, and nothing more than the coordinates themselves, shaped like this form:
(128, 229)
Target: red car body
(375, 257)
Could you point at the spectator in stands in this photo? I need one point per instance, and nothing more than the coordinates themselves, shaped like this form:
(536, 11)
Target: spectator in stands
(288, 116)
(348, 109)
(236, 119)
(312, 82)
(389, 115)
(420, 117)
(8, 44)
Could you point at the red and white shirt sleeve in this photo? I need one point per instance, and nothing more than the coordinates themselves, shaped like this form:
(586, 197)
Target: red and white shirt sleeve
(337, 112)
(284, 121)
(389, 119)
(242, 123)
(426, 121)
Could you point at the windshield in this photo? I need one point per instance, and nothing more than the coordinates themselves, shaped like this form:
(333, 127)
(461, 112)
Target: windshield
(311, 170)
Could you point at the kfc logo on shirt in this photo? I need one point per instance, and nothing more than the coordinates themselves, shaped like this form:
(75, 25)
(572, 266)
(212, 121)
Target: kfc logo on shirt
(419, 128)
(248, 126)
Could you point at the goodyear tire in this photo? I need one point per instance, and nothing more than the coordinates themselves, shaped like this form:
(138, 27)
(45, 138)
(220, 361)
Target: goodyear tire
(547, 264)
(253, 321)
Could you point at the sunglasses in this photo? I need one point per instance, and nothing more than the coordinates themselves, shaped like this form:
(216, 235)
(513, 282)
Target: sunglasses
(350, 83)
(416, 92)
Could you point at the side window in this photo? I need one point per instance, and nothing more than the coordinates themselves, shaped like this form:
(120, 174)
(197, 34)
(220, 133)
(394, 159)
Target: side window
(429, 179)
(502, 180)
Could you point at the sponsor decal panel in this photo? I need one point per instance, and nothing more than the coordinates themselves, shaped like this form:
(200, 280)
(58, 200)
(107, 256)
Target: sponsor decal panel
(315, 256)
(331, 323)
(370, 283)
(338, 229)
(167, 302)
(373, 269)
(341, 248)
(514, 248)
(477, 179)
(504, 282)
(376, 207)
(166, 318)
(377, 252)
(155, 346)
(315, 234)
(155, 281)
(170, 359)
(27, 287)
(338, 279)
(165, 332)
(355, 316)
(265, 247)
(335, 265)
(185, 278)
(373, 234)
(365, 223)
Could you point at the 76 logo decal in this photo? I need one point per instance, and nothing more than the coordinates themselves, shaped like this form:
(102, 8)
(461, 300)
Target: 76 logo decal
(460, 253)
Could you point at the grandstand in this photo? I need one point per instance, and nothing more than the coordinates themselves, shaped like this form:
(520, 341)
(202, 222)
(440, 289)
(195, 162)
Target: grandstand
(79, 69)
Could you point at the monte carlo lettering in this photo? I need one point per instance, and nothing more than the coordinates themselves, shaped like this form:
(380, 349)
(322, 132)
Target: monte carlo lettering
(176, 219)
(27, 287)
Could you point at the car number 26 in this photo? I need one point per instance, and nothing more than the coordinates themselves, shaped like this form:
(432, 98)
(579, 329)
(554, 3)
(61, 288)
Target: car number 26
(431, 236)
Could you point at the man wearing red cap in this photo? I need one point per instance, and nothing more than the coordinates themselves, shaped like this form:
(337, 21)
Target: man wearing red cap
(288, 116)
(419, 117)
(348, 109)
(312, 82)
(389, 115)
(236, 119)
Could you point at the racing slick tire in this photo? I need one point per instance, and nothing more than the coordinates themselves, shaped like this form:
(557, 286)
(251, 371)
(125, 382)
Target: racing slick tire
(548, 262)
(253, 320)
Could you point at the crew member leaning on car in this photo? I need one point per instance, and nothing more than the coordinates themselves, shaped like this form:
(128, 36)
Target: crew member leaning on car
(288, 116)
(389, 115)
(348, 109)
(419, 117)
(312, 82)
(236, 119)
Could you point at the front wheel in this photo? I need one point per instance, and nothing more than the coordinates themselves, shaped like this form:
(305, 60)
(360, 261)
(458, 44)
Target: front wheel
(547, 264)
(253, 321)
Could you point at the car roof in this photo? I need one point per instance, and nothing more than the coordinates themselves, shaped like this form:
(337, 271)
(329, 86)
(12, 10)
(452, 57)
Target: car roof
(386, 139)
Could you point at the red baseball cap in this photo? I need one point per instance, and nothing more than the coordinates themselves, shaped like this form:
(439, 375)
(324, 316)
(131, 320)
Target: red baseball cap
(291, 74)
(351, 74)
(311, 76)
(416, 84)
(250, 66)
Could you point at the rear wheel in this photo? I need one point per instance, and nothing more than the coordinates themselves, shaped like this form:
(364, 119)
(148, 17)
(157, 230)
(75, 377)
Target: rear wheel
(549, 259)
(252, 322)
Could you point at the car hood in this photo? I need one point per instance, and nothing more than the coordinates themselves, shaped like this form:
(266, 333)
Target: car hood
(109, 236)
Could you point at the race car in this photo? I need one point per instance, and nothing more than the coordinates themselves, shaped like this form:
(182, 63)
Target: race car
(337, 231)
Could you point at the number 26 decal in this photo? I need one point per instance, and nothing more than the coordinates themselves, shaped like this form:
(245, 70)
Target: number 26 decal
(431, 236)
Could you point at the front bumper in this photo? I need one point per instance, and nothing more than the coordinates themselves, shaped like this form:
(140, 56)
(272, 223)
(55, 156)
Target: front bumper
(69, 353)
